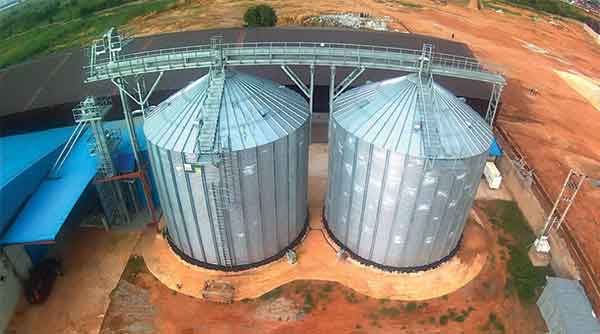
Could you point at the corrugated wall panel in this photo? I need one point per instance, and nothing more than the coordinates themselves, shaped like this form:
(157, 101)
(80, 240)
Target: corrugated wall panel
(402, 216)
(387, 202)
(251, 203)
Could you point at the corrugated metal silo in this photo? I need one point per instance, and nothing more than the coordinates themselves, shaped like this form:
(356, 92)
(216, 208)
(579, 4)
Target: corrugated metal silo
(250, 205)
(401, 180)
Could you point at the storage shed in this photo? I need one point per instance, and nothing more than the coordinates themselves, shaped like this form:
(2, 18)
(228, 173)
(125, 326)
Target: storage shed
(566, 308)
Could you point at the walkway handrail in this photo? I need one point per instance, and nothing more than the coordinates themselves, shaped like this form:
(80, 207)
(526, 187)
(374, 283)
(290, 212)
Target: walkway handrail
(290, 53)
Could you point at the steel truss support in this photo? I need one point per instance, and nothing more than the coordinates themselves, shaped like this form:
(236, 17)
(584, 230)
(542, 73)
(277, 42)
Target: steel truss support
(490, 114)
(347, 81)
(142, 97)
(141, 175)
(309, 90)
(564, 201)
(336, 90)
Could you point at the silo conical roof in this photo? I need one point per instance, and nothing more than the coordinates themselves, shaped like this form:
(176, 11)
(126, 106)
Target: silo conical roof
(253, 112)
(387, 115)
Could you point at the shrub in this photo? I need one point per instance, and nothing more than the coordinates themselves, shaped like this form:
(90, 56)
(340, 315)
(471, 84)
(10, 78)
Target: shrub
(555, 7)
(260, 16)
(273, 294)
(309, 303)
(411, 307)
(391, 312)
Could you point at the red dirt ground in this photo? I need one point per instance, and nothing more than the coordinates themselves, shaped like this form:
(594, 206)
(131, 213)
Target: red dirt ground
(331, 308)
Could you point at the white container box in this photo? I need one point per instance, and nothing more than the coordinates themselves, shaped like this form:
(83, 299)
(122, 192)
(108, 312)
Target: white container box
(492, 175)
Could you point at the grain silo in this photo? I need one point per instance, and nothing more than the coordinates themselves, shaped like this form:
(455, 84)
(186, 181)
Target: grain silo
(246, 204)
(405, 162)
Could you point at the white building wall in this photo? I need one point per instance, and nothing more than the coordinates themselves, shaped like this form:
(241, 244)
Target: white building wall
(14, 266)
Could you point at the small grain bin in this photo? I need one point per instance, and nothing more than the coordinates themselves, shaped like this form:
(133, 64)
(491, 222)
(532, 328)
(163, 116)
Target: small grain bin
(246, 204)
(405, 163)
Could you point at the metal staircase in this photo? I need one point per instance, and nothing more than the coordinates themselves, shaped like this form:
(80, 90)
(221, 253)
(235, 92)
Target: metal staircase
(209, 120)
(215, 155)
(431, 137)
(103, 144)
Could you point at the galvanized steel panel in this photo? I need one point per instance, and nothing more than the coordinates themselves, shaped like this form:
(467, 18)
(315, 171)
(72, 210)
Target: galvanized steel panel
(386, 203)
(268, 127)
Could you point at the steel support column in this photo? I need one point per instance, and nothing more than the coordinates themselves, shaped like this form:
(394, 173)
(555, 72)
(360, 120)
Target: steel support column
(128, 120)
(331, 97)
(140, 174)
(311, 88)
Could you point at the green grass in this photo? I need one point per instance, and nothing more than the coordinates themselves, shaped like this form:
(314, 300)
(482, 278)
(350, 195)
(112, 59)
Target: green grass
(300, 287)
(555, 7)
(27, 35)
(273, 294)
(309, 303)
(411, 307)
(390, 312)
(351, 297)
(409, 4)
(491, 5)
(328, 287)
(525, 280)
(135, 265)
(463, 3)
(493, 325)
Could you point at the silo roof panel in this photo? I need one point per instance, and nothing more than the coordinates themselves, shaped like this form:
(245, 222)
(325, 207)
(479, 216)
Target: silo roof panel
(387, 114)
(253, 112)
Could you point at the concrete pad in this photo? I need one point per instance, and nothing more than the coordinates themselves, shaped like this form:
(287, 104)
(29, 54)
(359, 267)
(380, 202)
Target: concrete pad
(317, 261)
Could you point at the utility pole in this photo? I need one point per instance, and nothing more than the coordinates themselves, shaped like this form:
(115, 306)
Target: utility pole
(563, 203)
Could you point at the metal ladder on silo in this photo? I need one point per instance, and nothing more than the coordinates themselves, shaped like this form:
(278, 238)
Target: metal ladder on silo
(431, 137)
(222, 244)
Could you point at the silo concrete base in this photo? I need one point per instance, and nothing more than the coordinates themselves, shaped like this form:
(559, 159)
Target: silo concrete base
(366, 262)
(317, 260)
(242, 267)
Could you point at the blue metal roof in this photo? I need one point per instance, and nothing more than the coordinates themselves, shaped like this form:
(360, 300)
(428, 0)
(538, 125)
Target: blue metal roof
(25, 161)
(43, 215)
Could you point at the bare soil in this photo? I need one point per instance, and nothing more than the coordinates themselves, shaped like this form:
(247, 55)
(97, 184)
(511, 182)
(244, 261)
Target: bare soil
(327, 307)
(93, 261)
